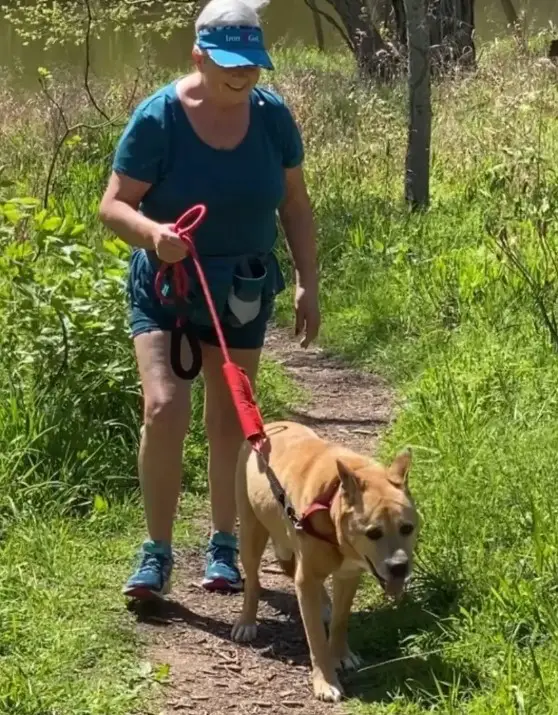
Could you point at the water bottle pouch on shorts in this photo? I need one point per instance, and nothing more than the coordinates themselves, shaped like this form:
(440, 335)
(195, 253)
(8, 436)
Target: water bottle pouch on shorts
(247, 292)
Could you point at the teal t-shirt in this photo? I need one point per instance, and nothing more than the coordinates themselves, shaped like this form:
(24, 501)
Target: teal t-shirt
(242, 188)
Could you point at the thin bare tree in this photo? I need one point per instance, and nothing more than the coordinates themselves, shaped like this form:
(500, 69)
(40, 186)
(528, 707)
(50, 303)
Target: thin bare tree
(512, 18)
(375, 32)
(417, 174)
(318, 29)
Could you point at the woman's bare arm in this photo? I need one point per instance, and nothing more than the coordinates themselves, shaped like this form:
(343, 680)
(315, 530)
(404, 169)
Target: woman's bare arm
(298, 222)
(119, 211)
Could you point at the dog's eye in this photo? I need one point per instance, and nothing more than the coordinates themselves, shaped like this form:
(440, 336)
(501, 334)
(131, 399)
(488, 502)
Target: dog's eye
(374, 533)
(406, 529)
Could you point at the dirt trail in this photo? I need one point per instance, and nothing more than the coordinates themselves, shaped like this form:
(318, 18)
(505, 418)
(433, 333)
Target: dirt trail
(209, 674)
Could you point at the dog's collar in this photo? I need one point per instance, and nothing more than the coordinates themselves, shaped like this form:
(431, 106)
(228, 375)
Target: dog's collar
(323, 503)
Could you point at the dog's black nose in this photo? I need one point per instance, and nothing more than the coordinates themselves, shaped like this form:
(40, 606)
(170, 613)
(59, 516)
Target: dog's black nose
(398, 567)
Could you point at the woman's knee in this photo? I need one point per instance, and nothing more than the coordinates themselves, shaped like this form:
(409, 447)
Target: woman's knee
(166, 407)
(166, 415)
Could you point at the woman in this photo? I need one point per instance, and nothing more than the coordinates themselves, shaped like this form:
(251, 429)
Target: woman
(211, 137)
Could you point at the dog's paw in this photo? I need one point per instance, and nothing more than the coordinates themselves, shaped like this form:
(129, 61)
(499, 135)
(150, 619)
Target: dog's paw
(244, 632)
(328, 692)
(349, 661)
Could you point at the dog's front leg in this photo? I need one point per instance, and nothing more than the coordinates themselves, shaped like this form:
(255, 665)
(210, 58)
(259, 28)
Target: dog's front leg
(309, 590)
(344, 589)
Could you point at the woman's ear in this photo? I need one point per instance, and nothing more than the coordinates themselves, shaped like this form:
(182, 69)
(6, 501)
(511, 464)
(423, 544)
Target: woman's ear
(197, 56)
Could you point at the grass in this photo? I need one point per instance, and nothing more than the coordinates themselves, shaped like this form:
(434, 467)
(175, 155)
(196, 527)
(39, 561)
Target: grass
(454, 305)
(66, 646)
(67, 643)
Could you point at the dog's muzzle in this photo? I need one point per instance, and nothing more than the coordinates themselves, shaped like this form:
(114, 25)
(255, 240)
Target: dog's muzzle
(372, 568)
(399, 577)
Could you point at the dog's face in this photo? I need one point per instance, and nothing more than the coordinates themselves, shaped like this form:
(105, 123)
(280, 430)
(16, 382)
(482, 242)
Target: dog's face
(379, 521)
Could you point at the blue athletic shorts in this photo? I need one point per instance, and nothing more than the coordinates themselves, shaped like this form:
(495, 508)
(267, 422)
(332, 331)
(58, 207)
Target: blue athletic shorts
(148, 314)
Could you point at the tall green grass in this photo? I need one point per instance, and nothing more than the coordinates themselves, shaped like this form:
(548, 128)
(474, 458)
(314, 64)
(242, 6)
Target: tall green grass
(455, 305)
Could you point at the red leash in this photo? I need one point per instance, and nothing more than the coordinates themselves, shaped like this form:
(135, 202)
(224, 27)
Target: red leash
(249, 415)
(237, 381)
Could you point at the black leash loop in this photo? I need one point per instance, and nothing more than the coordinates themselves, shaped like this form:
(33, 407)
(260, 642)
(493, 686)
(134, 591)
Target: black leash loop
(177, 334)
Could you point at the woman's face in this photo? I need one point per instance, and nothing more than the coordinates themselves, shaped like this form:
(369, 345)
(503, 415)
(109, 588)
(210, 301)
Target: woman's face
(227, 85)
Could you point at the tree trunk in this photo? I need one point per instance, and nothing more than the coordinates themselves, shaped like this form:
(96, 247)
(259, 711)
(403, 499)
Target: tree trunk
(373, 56)
(400, 21)
(450, 26)
(512, 17)
(417, 175)
(317, 25)
(452, 23)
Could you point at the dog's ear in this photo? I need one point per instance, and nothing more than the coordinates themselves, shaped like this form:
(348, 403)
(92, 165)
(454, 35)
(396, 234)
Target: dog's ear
(349, 481)
(398, 472)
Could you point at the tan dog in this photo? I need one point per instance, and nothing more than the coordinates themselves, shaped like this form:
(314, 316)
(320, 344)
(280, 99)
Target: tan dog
(370, 524)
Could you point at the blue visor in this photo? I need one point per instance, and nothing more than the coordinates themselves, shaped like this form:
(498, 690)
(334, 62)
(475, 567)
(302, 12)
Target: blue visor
(235, 46)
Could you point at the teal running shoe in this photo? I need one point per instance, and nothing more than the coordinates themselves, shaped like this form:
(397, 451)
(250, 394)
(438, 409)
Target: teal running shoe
(221, 573)
(152, 578)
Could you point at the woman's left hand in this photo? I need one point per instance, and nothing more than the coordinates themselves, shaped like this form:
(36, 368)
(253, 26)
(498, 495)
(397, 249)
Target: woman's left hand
(307, 314)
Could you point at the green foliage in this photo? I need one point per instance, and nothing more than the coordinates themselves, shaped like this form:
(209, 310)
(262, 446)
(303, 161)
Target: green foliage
(69, 407)
(72, 21)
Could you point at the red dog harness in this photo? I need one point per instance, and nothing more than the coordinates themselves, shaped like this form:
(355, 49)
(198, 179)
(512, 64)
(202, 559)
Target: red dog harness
(323, 503)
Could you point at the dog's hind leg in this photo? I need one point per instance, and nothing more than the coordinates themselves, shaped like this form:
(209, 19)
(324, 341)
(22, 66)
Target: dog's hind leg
(326, 606)
(285, 558)
(288, 566)
(344, 589)
(253, 540)
(287, 561)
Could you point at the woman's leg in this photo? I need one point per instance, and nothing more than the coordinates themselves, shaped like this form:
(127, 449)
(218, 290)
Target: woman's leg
(225, 437)
(166, 419)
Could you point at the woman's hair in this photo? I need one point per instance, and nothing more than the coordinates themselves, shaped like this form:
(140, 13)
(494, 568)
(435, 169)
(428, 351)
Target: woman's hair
(223, 13)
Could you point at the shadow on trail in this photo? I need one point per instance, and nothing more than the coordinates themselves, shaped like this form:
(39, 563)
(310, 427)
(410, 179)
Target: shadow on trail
(280, 636)
(313, 420)
(378, 635)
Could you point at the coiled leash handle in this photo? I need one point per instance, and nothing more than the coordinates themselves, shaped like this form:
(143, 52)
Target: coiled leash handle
(184, 227)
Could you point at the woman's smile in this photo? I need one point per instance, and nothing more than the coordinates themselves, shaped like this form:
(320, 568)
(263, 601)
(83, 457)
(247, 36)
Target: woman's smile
(236, 86)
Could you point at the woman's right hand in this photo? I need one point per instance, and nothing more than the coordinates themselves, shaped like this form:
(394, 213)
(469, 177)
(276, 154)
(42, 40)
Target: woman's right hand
(168, 245)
